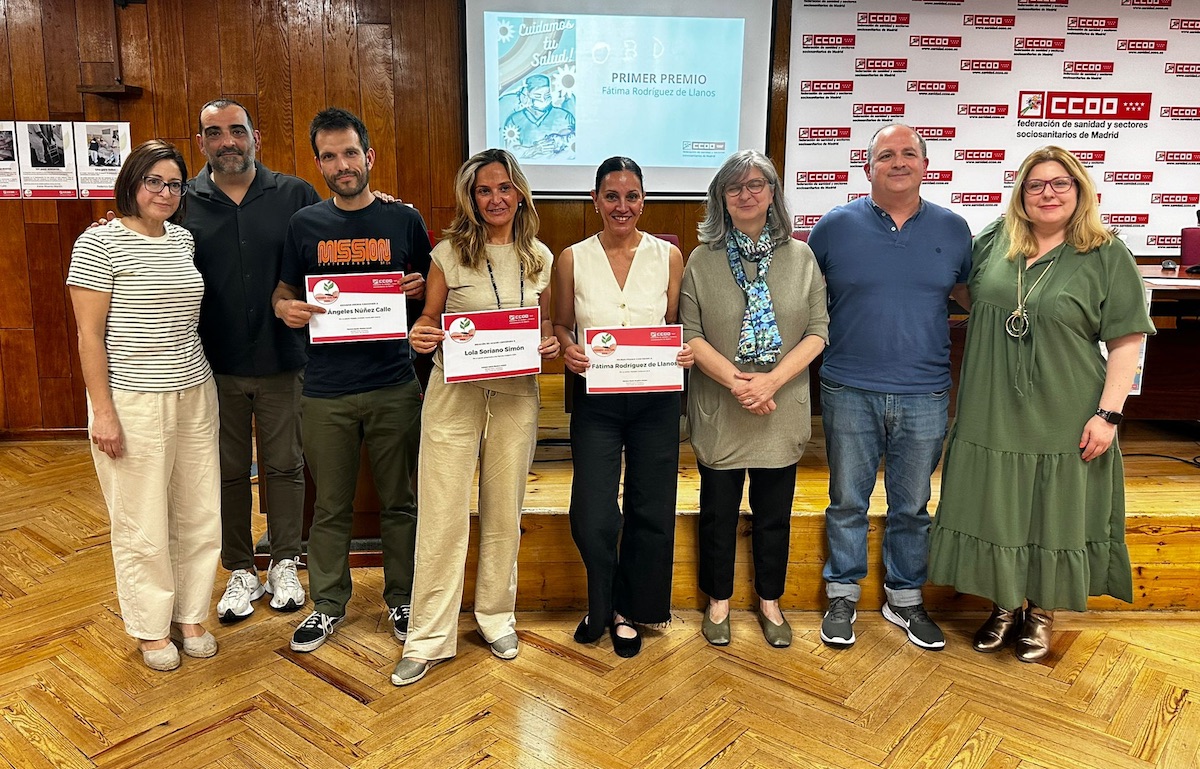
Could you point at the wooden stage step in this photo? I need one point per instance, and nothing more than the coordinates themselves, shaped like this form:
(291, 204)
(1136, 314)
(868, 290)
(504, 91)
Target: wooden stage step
(1163, 526)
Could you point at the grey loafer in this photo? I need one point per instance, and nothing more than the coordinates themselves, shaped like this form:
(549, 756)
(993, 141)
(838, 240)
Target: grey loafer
(716, 633)
(778, 636)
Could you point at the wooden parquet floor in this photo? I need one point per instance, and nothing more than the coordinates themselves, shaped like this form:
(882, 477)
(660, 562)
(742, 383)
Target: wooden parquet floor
(1120, 690)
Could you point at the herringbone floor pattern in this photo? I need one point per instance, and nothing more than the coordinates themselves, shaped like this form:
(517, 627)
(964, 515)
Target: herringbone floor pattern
(1119, 691)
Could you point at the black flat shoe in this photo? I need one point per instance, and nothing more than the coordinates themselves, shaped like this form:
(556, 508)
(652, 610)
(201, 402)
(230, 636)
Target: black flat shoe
(625, 647)
(584, 633)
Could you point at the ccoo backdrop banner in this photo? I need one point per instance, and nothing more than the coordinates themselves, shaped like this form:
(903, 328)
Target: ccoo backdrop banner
(1117, 82)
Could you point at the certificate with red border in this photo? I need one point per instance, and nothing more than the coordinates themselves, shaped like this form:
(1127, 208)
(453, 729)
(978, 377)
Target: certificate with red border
(491, 344)
(359, 307)
(633, 359)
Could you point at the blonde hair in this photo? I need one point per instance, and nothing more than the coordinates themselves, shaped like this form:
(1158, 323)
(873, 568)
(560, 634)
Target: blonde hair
(1084, 231)
(467, 232)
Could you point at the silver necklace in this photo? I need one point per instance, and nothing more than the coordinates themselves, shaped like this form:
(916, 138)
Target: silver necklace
(1017, 324)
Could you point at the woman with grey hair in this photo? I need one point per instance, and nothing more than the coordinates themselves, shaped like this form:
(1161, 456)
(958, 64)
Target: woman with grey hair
(753, 310)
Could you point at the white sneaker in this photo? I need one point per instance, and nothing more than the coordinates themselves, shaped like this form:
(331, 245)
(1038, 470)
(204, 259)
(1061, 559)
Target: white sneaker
(287, 594)
(242, 588)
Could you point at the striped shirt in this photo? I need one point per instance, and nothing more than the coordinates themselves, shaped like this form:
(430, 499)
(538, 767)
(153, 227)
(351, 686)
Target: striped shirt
(150, 334)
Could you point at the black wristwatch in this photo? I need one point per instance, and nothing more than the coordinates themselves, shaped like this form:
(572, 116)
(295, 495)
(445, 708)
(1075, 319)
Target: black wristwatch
(1112, 417)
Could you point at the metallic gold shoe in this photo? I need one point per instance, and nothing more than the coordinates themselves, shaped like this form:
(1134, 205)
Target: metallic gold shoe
(779, 636)
(1033, 641)
(716, 633)
(998, 630)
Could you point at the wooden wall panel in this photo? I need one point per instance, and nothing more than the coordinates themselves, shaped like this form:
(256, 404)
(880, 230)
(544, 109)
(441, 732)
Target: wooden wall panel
(49, 305)
(562, 223)
(22, 396)
(378, 110)
(341, 55)
(201, 42)
(7, 108)
(236, 50)
(4, 420)
(27, 52)
(16, 310)
(308, 85)
(412, 88)
(777, 100)
(374, 11)
(134, 39)
(274, 82)
(169, 70)
(62, 57)
(57, 402)
(398, 65)
(95, 22)
(445, 84)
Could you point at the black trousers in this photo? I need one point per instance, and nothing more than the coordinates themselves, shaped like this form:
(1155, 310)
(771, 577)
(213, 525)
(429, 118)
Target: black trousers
(628, 558)
(771, 492)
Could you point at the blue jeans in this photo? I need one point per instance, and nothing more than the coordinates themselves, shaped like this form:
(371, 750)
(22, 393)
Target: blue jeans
(862, 427)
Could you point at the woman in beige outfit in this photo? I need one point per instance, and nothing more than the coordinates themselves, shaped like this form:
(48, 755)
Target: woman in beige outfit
(490, 259)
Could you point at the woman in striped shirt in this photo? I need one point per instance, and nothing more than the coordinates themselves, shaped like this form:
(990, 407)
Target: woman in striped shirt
(152, 406)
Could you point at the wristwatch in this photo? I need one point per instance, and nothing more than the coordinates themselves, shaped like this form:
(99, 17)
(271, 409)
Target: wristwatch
(1112, 417)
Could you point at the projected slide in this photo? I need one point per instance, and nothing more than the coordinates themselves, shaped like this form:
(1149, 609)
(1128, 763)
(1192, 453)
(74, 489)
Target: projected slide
(574, 89)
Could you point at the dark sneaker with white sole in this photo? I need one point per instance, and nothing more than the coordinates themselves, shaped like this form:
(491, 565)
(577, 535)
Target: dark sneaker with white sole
(921, 630)
(399, 617)
(313, 631)
(837, 628)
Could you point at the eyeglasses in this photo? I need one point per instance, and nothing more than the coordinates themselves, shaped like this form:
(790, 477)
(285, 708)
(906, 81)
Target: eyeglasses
(754, 185)
(155, 185)
(1036, 186)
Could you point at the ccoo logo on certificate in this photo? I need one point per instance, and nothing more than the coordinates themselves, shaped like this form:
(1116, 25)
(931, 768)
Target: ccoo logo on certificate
(326, 292)
(462, 330)
(604, 344)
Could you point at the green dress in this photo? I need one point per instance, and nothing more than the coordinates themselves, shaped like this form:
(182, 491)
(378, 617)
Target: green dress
(1021, 514)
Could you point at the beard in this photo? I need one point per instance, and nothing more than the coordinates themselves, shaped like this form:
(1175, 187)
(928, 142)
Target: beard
(233, 162)
(349, 186)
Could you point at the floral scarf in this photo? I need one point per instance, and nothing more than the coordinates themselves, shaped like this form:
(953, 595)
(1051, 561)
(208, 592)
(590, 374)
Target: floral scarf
(759, 341)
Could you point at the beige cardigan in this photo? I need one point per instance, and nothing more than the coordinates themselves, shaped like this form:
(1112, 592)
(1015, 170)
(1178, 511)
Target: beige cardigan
(726, 436)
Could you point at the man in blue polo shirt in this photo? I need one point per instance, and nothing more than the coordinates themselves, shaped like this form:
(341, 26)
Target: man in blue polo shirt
(891, 261)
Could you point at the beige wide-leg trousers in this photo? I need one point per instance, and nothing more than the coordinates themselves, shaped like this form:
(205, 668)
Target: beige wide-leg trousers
(164, 504)
(460, 423)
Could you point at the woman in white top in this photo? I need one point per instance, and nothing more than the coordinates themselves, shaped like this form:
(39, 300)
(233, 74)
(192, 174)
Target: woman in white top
(490, 259)
(152, 406)
(621, 277)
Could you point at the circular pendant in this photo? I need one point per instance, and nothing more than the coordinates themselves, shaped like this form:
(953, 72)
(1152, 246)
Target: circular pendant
(1016, 325)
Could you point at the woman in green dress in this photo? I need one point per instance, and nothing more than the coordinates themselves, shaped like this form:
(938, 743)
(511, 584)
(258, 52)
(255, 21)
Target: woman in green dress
(1032, 511)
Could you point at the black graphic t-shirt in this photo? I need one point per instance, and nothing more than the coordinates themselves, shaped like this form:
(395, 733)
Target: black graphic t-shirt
(324, 240)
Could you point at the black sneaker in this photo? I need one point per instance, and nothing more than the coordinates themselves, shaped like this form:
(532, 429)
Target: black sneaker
(921, 629)
(399, 617)
(837, 628)
(313, 631)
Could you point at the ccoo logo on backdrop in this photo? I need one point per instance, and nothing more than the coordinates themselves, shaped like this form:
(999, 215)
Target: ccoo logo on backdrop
(1083, 105)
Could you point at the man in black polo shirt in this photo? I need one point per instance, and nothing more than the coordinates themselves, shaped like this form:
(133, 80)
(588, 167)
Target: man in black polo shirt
(355, 392)
(238, 211)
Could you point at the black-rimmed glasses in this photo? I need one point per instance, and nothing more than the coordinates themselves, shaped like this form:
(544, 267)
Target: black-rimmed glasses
(155, 185)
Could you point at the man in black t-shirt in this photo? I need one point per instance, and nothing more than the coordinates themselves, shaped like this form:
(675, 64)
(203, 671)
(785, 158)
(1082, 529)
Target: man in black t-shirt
(354, 392)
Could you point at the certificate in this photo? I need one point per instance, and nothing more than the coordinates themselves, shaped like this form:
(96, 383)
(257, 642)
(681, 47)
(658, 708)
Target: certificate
(359, 307)
(491, 344)
(633, 359)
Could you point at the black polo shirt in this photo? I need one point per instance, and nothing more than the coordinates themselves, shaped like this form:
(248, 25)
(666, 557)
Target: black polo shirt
(238, 251)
